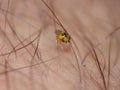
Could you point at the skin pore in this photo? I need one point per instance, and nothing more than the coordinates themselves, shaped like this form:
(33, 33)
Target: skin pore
(30, 58)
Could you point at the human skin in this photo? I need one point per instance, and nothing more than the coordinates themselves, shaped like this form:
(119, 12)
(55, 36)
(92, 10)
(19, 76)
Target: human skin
(31, 59)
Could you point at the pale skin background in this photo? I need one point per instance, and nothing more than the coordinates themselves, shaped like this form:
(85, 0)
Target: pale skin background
(31, 60)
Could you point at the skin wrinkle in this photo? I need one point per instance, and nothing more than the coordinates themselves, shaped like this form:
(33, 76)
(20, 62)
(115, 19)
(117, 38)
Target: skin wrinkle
(30, 59)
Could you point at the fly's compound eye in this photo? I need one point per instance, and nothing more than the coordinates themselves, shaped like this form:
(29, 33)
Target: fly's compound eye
(62, 34)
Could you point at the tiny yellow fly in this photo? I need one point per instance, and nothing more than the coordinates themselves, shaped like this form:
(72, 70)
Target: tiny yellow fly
(62, 36)
(63, 40)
